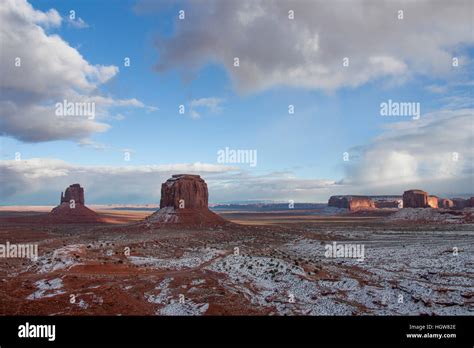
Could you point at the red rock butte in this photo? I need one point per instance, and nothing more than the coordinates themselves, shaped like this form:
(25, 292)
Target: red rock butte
(184, 191)
(71, 208)
(184, 202)
(73, 193)
(415, 199)
(351, 202)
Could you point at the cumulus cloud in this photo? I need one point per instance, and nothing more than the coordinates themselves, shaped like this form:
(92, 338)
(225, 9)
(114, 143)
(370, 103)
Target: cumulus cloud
(308, 51)
(381, 170)
(212, 104)
(26, 12)
(435, 152)
(38, 70)
(38, 180)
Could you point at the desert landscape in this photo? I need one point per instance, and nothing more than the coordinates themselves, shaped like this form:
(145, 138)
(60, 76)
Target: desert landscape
(347, 257)
(236, 162)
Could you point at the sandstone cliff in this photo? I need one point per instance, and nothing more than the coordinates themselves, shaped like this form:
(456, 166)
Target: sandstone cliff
(184, 203)
(415, 199)
(351, 202)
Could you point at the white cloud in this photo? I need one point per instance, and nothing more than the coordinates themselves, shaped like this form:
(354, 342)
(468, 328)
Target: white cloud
(26, 12)
(94, 144)
(308, 51)
(37, 180)
(436, 89)
(404, 157)
(435, 152)
(78, 23)
(212, 104)
(50, 71)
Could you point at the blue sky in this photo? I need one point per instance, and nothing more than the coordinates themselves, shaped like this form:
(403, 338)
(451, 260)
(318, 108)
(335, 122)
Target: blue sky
(301, 154)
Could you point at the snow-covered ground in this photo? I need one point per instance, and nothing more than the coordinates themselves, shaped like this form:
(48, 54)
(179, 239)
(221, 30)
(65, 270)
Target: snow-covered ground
(61, 258)
(402, 274)
(425, 272)
(407, 269)
(170, 304)
(272, 282)
(429, 214)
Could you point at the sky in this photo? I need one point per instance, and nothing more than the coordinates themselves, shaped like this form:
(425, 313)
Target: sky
(304, 99)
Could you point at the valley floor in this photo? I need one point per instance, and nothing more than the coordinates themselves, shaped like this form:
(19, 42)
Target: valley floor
(278, 268)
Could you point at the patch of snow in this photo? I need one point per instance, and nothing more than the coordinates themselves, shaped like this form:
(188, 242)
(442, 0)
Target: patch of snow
(198, 281)
(164, 294)
(82, 304)
(47, 288)
(171, 306)
(61, 258)
(190, 259)
(164, 215)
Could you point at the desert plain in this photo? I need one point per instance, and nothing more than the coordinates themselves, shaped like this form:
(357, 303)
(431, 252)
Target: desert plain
(260, 263)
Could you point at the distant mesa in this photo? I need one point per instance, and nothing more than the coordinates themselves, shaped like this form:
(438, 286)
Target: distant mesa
(445, 203)
(351, 202)
(415, 199)
(461, 203)
(71, 208)
(184, 203)
(433, 201)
